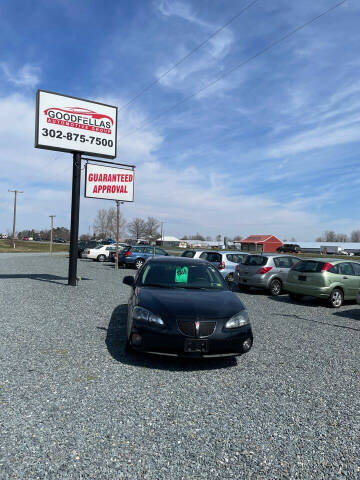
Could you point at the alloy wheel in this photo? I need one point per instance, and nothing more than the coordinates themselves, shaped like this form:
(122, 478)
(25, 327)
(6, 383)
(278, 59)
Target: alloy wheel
(336, 298)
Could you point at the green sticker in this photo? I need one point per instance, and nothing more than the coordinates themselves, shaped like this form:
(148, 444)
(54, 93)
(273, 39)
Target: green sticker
(181, 274)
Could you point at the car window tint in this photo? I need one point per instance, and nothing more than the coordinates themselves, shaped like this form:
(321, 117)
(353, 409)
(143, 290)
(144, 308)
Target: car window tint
(255, 260)
(234, 257)
(309, 266)
(203, 255)
(334, 269)
(346, 269)
(188, 253)
(159, 251)
(295, 260)
(283, 262)
(148, 250)
(213, 257)
(356, 267)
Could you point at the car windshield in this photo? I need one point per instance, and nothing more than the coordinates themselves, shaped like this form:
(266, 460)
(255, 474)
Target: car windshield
(255, 260)
(99, 246)
(180, 275)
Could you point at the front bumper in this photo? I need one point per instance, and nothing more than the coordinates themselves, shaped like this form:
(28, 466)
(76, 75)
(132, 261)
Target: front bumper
(172, 342)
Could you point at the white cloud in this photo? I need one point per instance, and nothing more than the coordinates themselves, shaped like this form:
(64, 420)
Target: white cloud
(26, 76)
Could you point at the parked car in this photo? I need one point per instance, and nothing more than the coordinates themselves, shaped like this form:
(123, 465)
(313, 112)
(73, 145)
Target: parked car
(265, 271)
(38, 239)
(25, 238)
(59, 240)
(123, 248)
(87, 244)
(100, 253)
(332, 279)
(136, 255)
(225, 262)
(289, 248)
(183, 306)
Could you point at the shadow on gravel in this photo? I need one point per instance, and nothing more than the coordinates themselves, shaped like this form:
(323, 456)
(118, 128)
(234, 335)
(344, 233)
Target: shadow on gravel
(298, 317)
(306, 301)
(40, 277)
(353, 314)
(115, 342)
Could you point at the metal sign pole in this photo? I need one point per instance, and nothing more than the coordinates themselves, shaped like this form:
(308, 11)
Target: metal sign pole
(117, 234)
(75, 208)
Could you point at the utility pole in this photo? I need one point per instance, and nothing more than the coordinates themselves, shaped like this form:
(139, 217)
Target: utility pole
(118, 202)
(162, 223)
(51, 232)
(14, 221)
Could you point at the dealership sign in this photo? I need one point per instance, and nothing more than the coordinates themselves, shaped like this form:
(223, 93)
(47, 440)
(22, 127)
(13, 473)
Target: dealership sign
(109, 183)
(72, 124)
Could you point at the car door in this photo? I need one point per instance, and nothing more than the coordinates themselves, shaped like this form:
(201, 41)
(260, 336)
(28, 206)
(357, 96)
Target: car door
(348, 279)
(283, 265)
(356, 267)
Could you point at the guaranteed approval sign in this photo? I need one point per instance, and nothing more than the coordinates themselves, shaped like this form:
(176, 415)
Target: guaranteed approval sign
(109, 183)
(71, 124)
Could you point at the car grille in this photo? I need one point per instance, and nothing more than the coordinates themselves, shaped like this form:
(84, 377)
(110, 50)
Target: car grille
(188, 327)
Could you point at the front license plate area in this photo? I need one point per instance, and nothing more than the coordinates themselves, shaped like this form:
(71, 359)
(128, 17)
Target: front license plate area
(195, 346)
(302, 277)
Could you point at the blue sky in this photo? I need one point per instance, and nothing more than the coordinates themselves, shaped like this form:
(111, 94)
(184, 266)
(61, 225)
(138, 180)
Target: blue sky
(271, 148)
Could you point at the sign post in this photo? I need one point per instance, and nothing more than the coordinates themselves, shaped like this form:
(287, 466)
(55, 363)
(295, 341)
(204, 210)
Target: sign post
(77, 126)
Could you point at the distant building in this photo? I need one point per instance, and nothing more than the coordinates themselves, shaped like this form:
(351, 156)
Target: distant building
(260, 243)
(168, 241)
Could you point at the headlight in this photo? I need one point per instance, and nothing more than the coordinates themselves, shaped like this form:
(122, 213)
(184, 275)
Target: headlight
(239, 320)
(140, 313)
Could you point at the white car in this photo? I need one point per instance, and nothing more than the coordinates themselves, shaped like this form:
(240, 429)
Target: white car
(100, 253)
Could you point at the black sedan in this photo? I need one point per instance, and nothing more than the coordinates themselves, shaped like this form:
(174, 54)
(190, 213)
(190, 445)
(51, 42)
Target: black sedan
(180, 306)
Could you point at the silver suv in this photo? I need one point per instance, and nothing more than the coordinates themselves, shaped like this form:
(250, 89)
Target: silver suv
(264, 271)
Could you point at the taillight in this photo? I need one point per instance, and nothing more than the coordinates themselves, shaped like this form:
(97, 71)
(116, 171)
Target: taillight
(264, 270)
(221, 266)
(236, 268)
(326, 267)
(127, 254)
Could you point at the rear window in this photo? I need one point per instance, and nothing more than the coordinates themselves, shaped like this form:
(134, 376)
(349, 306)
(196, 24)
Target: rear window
(188, 253)
(255, 260)
(234, 257)
(309, 266)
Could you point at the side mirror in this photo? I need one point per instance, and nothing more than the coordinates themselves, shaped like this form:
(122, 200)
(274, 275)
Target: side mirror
(129, 281)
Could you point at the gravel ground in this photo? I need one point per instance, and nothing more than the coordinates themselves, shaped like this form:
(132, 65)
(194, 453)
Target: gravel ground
(74, 406)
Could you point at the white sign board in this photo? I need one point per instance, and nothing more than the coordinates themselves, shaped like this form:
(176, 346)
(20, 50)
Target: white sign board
(109, 183)
(71, 124)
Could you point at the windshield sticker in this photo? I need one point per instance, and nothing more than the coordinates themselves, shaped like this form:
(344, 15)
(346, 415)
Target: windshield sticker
(181, 274)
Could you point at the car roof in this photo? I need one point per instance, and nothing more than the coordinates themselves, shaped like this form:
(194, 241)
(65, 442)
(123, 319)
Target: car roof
(173, 259)
(274, 255)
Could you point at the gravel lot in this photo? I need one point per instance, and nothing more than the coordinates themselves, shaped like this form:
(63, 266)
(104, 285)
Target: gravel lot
(74, 406)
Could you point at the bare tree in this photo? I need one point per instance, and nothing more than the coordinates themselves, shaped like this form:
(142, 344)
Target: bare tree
(329, 236)
(208, 238)
(152, 228)
(137, 228)
(100, 223)
(341, 237)
(105, 223)
(218, 238)
(197, 237)
(355, 236)
(319, 239)
(237, 238)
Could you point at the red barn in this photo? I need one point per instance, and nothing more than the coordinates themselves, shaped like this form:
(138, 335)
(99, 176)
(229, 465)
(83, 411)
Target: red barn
(260, 243)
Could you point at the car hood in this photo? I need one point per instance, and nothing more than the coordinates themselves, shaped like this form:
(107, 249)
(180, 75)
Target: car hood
(182, 303)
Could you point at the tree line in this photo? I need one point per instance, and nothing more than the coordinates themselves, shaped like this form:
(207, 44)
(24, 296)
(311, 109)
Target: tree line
(331, 236)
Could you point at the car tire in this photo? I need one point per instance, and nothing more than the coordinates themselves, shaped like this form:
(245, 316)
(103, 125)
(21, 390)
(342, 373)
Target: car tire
(101, 258)
(295, 297)
(275, 287)
(139, 263)
(336, 298)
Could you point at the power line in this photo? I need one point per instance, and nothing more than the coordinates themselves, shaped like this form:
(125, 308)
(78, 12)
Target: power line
(231, 70)
(220, 29)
